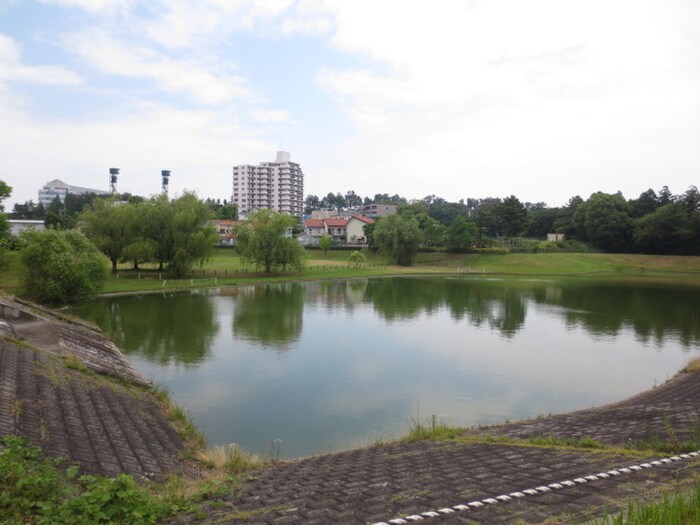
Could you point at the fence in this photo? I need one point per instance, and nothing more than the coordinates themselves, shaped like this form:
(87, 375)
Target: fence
(233, 273)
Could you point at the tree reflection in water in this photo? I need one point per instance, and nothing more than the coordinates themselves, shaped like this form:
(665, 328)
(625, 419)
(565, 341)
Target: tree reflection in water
(163, 328)
(269, 315)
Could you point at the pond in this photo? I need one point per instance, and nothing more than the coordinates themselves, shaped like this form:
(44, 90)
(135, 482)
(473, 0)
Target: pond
(327, 366)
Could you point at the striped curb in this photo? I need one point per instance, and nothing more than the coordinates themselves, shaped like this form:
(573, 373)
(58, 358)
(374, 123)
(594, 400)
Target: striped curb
(537, 490)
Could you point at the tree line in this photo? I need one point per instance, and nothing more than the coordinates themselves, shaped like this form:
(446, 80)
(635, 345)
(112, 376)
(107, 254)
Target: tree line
(654, 222)
(63, 214)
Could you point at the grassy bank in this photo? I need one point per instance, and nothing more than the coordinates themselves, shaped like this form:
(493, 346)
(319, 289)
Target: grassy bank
(226, 268)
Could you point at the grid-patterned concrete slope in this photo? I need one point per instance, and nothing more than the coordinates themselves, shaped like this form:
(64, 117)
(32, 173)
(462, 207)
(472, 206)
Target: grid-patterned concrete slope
(71, 392)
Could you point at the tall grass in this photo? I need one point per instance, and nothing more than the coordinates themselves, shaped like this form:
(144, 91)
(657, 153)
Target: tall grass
(678, 509)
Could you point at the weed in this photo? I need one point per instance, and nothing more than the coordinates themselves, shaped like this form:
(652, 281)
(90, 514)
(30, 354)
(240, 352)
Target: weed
(548, 441)
(671, 444)
(73, 363)
(182, 422)
(435, 430)
(17, 409)
(693, 366)
(37, 490)
(232, 459)
(678, 509)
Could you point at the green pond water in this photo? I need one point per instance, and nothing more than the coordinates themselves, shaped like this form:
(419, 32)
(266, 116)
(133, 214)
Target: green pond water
(308, 368)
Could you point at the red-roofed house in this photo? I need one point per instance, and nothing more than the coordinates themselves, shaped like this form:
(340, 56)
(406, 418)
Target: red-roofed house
(336, 228)
(314, 228)
(354, 229)
(341, 229)
(226, 230)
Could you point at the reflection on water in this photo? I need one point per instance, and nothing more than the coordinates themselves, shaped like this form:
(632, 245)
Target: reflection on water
(163, 328)
(269, 315)
(353, 361)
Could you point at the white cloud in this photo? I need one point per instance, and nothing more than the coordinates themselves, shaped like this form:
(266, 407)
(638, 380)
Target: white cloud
(205, 82)
(198, 146)
(94, 6)
(541, 99)
(508, 97)
(271, 116)
(13, 70)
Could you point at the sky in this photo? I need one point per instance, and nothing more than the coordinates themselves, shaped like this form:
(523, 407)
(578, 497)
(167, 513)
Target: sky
(542, 99)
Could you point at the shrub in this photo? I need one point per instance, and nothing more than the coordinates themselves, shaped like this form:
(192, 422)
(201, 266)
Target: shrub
(61, 266)
(357, 258)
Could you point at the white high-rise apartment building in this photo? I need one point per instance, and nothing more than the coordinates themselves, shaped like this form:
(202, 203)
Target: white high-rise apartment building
(275, 185)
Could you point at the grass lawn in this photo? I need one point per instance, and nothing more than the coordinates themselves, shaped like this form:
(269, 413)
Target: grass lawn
(226, 268)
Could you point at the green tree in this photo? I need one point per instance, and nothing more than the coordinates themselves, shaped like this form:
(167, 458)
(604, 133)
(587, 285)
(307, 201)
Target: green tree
(156, 225)
(542, 222)
(263, 241)
(112, 227)
(179, 232)
(461, 235)
(194, 237)
(445, 212)
(56, 216)
(5, 192)
(512, 217)
(665, 231)
(61, 266)
(398, 238)
(486, 217)
(28, 210)
(564, 222)
(368, 230)
(325, 243)
(607, 221)
(645, 204)
(311, 203)
(432, 231)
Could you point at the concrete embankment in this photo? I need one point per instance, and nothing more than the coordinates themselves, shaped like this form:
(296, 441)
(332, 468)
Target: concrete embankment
(73, 393)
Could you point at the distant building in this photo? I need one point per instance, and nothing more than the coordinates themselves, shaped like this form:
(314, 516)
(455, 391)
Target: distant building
(17, 226)
(58, 188)
(277, 186)
(554, 237)
(378, 210)
(227, 231)
(343, 230)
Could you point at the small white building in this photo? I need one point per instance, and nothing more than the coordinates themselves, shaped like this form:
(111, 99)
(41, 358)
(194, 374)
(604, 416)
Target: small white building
(17, 226)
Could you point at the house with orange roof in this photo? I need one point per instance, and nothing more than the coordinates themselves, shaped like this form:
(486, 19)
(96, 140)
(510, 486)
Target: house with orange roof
(226, 229)
(343, 230)
(355, 229)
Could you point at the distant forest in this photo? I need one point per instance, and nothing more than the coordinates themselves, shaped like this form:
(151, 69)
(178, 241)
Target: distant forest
(655, 223)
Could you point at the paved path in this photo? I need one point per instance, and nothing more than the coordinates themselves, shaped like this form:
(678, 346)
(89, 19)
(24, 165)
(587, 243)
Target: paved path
(384, 483)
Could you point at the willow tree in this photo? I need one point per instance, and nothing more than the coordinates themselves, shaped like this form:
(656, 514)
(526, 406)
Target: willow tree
(264, 241)
(398, 238)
